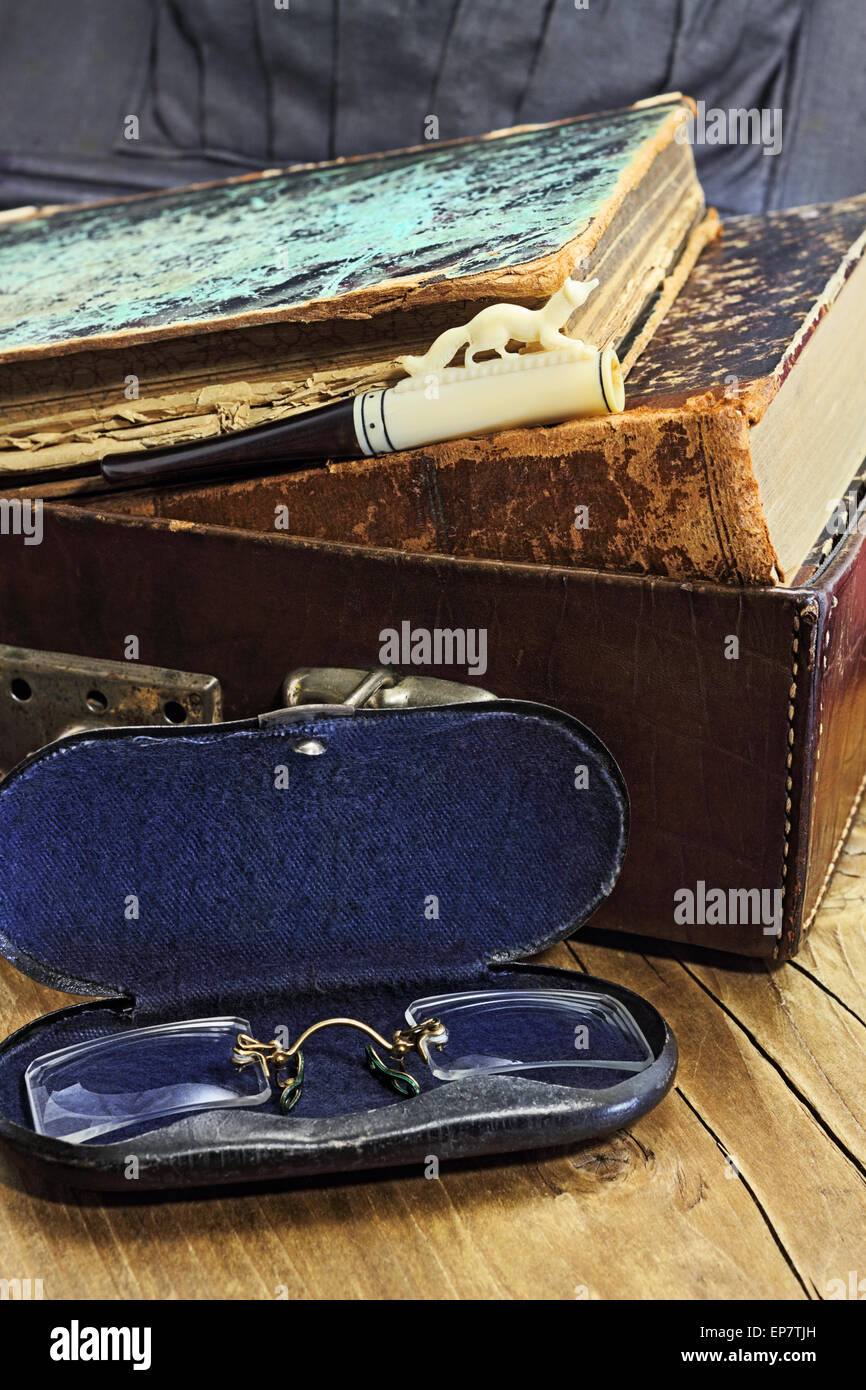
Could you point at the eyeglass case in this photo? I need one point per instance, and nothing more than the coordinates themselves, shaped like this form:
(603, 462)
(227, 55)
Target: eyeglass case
(320, 861)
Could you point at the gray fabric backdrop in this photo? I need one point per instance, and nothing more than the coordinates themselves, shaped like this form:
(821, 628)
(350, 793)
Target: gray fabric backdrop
(221, 86)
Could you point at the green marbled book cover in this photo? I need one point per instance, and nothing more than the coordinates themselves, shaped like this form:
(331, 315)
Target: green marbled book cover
(499, 216)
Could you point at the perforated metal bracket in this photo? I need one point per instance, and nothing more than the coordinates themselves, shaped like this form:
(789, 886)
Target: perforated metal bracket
(44, 695)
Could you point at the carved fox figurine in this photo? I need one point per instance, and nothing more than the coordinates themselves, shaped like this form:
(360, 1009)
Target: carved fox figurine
(497, 325)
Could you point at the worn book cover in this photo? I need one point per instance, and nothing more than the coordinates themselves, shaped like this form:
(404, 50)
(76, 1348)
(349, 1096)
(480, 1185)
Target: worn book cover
(163, 318)
(743, 429)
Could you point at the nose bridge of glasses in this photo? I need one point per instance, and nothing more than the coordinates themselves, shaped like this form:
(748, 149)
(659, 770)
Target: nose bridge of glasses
(288, 1062)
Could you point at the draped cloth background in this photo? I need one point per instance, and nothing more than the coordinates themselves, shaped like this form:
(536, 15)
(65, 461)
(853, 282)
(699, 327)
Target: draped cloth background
(224, 86)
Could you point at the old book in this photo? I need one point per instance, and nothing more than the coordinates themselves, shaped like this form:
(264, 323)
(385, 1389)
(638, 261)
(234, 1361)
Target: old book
(745, 425)
(163, 318)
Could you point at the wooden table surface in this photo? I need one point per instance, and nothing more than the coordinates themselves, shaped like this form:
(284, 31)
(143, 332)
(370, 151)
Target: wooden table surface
(747, 1182)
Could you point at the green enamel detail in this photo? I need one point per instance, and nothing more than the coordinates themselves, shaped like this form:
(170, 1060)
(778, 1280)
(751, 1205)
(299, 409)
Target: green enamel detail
(399, 1081)
(291, 1094)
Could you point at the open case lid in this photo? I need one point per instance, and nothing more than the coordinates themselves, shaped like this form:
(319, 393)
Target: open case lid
(199, 869)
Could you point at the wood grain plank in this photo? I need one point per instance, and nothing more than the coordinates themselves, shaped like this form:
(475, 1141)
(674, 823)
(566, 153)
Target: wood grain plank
(835, 951)
(771, 1097)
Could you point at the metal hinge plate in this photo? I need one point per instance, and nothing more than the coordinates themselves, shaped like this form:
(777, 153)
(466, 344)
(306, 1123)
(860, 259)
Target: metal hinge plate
(44, 695)
(380, 688)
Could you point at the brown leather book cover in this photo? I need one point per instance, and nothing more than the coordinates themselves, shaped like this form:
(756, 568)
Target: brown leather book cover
(669, 487)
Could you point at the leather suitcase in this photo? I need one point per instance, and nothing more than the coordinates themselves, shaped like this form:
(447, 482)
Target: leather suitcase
(736, 715)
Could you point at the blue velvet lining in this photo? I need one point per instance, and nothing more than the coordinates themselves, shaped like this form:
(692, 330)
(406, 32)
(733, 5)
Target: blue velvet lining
(421, 846)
